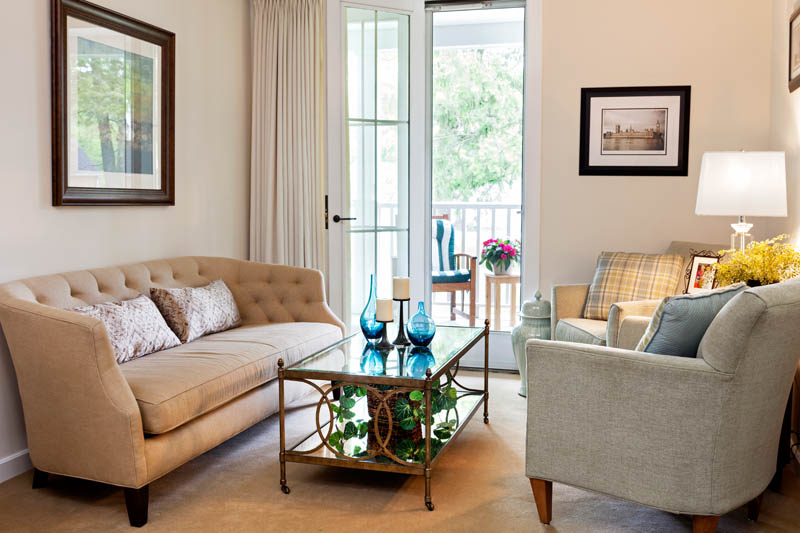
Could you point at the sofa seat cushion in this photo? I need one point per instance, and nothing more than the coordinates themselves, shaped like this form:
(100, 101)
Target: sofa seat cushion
(583, 330)
(177, 385)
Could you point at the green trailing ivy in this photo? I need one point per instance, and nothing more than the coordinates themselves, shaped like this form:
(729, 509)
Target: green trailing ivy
(409, 412)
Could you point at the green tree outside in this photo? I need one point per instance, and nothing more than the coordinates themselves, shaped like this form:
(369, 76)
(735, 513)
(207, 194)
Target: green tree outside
(477, 122)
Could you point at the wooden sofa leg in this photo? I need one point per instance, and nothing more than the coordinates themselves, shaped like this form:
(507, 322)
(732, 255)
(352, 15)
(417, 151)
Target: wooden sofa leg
(39, 479)
(704, 524)
(754, 507)
(136, 501)
(543, 496)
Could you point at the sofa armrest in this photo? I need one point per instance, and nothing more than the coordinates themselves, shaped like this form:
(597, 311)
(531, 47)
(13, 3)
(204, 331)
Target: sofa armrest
(642, 427)
(567, 302)
(280, 293)
(620, 311)
(81, 417)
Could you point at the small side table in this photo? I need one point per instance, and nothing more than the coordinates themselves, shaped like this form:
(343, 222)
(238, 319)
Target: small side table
(498, 282)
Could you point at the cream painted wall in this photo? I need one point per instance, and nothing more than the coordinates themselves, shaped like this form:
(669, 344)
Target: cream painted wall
(212, 147)
(719, 47)
(785, 118)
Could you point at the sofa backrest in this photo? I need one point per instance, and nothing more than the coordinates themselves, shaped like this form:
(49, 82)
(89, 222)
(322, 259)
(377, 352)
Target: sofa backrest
(263, 293)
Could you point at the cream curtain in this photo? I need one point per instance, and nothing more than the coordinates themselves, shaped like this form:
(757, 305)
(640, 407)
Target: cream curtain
(287, 162)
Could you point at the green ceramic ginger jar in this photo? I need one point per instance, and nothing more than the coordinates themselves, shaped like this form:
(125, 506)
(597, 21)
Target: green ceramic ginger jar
(535, 324)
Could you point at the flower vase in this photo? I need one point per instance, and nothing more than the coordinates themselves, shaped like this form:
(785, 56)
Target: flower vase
(421, 327)
(499, 269)
(370, 327)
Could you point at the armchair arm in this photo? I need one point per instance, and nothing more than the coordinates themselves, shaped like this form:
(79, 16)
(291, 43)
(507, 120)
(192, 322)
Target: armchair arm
(641, 427)
(567, 301)
(619, 311)
(472, 262)
(80, 415)
(631, 331)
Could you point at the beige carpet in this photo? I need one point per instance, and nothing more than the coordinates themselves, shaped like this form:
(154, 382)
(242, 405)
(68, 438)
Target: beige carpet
(479, 485)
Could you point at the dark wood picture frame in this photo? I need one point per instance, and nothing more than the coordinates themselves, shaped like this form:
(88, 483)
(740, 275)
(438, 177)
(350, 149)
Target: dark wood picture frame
(684, 92)
(794, 83)
(63, 194)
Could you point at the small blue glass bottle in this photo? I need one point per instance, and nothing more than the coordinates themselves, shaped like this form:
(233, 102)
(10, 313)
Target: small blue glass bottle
(371, 328)
(421, 327)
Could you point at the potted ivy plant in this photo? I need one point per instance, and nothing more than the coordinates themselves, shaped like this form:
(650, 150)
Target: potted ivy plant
(499, 254)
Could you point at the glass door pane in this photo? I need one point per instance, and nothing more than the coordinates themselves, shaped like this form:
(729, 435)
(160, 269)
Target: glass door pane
(478, 61)
(376, 69)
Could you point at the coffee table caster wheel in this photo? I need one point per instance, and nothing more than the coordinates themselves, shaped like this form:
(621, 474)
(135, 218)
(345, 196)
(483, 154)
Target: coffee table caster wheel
(429, 505)
(285, 489)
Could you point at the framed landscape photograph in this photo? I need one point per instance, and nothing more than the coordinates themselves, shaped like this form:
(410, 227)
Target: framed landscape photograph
(113, 88)
(700, 275)
(634, 131)
(794, 50)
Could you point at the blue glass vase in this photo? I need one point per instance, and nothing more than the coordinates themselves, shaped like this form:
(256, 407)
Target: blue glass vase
(421, 327)
(371, 328)
(419, 360)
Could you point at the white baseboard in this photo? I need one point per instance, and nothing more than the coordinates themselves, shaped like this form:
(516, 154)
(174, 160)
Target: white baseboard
(14, 464)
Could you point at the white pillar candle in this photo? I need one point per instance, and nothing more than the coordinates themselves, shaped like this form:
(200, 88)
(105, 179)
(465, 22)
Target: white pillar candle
(383, 311)
(401, 288)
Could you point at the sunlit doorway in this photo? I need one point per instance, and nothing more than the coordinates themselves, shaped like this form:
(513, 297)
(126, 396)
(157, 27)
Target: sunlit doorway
(476, 121)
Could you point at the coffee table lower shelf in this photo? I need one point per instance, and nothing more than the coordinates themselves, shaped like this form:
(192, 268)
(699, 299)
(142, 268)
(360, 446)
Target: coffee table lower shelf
(468, 404)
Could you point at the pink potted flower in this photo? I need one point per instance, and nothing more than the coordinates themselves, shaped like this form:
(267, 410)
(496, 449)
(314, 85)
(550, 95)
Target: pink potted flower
(499, 254)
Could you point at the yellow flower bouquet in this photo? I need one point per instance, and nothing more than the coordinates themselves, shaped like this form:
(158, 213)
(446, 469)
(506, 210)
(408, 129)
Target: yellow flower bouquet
(761, 263)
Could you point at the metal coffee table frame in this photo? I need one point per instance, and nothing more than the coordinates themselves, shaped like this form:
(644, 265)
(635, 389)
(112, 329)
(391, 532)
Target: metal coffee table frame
(321, 453)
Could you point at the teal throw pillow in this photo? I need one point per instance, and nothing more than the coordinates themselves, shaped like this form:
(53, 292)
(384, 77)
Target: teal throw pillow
(679, 323)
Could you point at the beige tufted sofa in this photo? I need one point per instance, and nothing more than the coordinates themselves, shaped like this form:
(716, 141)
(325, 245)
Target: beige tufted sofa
(88, 417)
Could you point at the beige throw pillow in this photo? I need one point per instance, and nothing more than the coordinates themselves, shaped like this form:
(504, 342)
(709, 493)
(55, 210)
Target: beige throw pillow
(628, 277)
(135, 327)
(192, 312)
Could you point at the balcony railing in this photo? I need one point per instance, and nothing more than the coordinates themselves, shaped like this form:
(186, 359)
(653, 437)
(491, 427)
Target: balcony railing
(473, 223)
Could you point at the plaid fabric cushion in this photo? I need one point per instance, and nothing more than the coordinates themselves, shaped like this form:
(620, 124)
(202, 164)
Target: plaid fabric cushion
(625, 277)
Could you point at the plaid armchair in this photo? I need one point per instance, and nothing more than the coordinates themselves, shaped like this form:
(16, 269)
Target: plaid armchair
(451, 271)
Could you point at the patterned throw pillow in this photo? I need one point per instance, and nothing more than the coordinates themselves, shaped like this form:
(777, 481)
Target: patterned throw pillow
(627, 277)
(135, 327)
(679, 323)
(193, 312)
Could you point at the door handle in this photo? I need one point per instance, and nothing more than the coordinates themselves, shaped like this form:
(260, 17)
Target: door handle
(337, 218)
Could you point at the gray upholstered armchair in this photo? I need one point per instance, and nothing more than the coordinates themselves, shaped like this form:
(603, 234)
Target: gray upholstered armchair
(627, 321)
(694, 436)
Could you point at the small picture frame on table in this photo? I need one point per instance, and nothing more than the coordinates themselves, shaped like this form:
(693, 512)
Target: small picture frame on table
(700, 274)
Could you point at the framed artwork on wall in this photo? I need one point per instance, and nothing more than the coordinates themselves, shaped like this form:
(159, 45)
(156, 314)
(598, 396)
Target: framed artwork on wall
(794, 50)
(700, 275)
(634, 131)
(113, 108)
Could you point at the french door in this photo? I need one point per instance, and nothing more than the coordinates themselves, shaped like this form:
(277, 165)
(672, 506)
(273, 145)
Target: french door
(371, 114)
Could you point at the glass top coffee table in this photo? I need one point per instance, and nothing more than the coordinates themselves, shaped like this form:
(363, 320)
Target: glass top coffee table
(394, 411)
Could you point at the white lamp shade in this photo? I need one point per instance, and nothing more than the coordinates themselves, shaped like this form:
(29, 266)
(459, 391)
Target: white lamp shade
(742, 183)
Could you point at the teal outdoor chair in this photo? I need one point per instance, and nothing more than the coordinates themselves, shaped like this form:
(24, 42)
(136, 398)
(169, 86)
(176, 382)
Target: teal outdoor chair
(451, 271)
